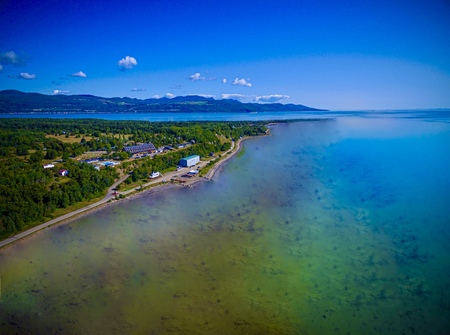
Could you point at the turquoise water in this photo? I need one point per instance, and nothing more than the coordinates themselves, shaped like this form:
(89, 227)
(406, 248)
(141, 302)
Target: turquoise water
(330, 227)
(437, 114)
(169, 116)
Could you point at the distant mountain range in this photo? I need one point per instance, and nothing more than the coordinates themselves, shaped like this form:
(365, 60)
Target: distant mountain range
(12, 101)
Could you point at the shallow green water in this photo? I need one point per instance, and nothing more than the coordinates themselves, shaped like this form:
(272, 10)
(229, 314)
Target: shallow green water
(332, 227)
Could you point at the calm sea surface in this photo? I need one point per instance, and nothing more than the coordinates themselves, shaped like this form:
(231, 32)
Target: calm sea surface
(326, 227)
(441, 114)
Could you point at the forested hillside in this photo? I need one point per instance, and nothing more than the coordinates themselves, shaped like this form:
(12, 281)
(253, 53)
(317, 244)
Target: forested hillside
(12, 101)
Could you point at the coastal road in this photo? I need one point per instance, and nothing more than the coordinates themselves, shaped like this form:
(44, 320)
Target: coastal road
(44, 225)
(232, 152)
(109, 196)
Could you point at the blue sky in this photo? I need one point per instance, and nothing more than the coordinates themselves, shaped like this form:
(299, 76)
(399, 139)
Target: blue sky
(340, 55)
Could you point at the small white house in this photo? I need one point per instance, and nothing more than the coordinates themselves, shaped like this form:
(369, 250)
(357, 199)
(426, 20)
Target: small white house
(155, 175)
(48, 166)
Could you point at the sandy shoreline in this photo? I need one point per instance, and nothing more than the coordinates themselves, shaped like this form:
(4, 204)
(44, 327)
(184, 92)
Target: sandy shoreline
(212, 174)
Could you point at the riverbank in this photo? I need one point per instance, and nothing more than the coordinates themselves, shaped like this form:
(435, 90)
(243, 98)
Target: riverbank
(110, 199)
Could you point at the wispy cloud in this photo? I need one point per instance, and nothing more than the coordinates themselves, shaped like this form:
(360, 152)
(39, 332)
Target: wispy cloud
(1, 67)
(60, 92)
(170, 95)
(24, 75)
(79, 74)
(176, 87)
(271, 98)
(60, 81)
(138, 89)
(127, 63)
(242, 82)
(233, 96)
(27, 76)
(198, 77)
(224, 80)
(11, 58)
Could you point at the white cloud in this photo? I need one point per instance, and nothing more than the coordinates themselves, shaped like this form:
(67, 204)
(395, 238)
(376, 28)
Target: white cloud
(170, 95)
(271, 98)
(233, 96)
(242, 82)
(156, 96)
(138, 89)
(59, 92)
(198, 77)
(26, 75)
(127, 63)
(80, 74)
(224, 80)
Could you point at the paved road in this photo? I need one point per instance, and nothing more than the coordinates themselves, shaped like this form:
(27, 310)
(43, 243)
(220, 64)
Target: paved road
(110, 195)
(30, 231)
(215, 168)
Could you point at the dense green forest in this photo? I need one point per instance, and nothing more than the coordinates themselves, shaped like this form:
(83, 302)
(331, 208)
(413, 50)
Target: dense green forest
(29, 194)
(109, 134)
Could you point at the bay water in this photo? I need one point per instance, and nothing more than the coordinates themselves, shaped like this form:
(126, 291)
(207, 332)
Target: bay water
(324, 227)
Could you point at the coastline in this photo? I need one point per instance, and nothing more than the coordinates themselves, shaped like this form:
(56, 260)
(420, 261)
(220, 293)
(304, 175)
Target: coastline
(214, 172)
(107, 201)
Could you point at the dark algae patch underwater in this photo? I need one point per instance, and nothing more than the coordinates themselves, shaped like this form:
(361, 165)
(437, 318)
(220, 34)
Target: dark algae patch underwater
(333, 227)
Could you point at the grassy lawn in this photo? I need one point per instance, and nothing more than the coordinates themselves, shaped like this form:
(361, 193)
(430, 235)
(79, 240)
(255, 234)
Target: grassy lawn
(208, 167)
(223, 139)
(73, 139)
(133, 185)
(70, 139)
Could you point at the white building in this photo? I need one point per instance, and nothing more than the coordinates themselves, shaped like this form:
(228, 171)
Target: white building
(190, 160)
(155, 175)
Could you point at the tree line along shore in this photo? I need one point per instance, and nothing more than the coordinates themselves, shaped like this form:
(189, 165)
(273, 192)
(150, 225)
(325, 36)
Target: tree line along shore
(51, 167)
(209, 170)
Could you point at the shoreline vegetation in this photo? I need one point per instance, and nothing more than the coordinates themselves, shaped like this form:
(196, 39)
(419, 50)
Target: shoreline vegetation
(108, 200)
(35, 197)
